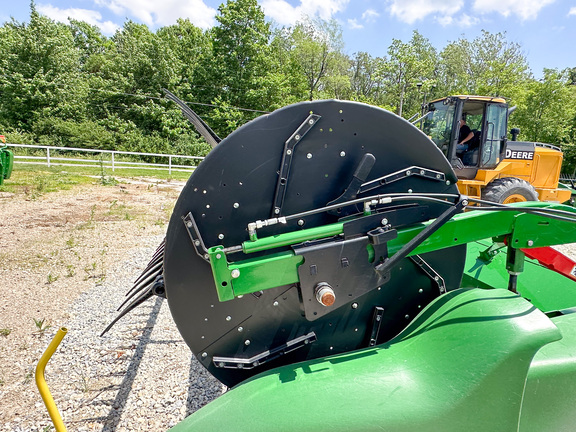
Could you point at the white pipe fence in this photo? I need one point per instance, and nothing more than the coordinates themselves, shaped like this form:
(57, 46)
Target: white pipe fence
(111, 162)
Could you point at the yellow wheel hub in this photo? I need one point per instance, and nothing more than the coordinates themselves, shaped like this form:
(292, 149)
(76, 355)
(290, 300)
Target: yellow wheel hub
(514, 198)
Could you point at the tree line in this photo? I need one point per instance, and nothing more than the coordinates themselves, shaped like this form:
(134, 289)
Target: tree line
(69, 85)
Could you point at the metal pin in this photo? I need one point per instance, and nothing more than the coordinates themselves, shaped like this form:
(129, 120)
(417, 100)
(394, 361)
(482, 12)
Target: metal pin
(309, 155)
(247, 342)
(189, 224)
(220, 236)
(342, 153)
(240, 329)
(235, 273)
(204, 355)
(275, 303)
(530, 243)
(236, 205)
(228, 318)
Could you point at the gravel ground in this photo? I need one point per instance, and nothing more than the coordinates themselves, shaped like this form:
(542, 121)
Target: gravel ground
(138, 377)
(141, 375)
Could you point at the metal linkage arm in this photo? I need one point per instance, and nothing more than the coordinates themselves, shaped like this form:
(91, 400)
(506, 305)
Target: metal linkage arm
(523, 228)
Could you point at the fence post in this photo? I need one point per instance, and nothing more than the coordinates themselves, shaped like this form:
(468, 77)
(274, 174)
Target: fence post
(48, 157)
(169, 165)
(112, 161)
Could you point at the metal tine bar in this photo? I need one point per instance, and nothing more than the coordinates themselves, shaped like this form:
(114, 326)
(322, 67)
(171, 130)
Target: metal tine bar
(154, 260)
(137, 302)
(148, 269)
(137, 288)
(139, 291)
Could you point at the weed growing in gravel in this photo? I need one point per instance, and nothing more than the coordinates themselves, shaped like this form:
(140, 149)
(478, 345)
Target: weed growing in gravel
(28, 377)
(71, 242)
(41, 325)
(51, 278)
(84, 382)
(71, 270)
(5, 331)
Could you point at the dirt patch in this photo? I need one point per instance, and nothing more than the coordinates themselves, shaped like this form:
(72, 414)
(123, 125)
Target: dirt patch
(54, 248)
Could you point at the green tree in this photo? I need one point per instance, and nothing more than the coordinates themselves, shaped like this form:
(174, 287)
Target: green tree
(546, 111)
(40, 73)
(408, 65)
(488, 65)
(317, 47)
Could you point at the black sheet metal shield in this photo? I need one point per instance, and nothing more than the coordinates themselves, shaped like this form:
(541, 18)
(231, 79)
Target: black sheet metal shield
(237, 183)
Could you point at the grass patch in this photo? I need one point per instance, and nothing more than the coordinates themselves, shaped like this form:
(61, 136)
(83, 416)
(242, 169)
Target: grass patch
(37, 180)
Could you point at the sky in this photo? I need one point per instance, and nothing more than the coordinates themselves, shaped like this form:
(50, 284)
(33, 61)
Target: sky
(545, 29)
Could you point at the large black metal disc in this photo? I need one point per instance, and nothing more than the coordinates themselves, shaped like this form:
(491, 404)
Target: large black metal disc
(236, 185)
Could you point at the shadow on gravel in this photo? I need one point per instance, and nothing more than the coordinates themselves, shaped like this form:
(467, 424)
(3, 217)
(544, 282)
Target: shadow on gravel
(115, 414)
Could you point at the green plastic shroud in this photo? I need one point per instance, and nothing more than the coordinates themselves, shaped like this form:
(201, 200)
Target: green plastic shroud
(6, 163)
(474, 360)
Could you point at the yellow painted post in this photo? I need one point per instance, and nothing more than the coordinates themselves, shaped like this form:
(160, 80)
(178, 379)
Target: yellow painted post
(41, 382)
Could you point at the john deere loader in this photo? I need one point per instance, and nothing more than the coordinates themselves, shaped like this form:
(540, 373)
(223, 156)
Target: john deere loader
(489, 166)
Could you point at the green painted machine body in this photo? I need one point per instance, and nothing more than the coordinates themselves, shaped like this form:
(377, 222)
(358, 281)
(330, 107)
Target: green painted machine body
(480, 358)
(474, 359)
(6, 163)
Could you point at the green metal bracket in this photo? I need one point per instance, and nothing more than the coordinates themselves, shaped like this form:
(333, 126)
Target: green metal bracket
(252, 275)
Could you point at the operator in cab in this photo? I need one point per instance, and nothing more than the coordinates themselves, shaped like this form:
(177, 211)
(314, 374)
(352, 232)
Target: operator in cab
(464, 137)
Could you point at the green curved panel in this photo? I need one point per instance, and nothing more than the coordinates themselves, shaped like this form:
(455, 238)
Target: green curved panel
(460, 365)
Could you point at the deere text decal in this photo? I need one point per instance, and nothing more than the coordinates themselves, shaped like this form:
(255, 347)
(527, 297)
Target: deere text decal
(519, 154)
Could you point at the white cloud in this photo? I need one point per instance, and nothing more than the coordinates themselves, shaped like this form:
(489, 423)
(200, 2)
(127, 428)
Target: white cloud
(410, 11)
(161, 13)
(445, 20)
(354, 25)
(92, 17)
(525, 9)
(284, 13)
(572, 11)
(370, 15)
(466, 20)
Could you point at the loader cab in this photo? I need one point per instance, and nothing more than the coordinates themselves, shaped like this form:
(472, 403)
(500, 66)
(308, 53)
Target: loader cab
(487, 119)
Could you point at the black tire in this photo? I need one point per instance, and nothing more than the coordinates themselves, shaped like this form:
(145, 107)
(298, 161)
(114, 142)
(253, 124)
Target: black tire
(509, 189)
